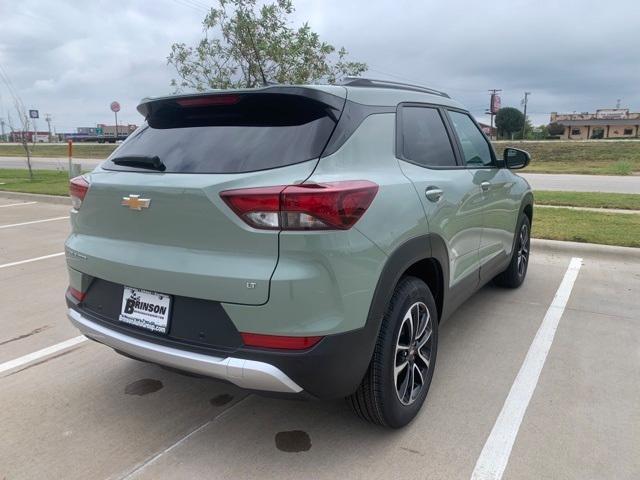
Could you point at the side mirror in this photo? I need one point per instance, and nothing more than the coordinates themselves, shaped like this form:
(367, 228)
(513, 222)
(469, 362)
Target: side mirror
(514, 158)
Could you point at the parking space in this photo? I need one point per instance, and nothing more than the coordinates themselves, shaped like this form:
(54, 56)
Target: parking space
(86, 412)
(22, 239)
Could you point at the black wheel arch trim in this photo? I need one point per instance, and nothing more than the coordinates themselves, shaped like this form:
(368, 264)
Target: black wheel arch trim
(423, 247)
(527, 201)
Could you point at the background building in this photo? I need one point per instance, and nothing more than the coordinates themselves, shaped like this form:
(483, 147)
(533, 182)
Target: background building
(32, 137)
(605, 123)
(87, 130)
(110, 130)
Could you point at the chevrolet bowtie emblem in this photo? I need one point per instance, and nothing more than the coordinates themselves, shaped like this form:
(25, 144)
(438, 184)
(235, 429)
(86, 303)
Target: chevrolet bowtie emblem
(134, 202)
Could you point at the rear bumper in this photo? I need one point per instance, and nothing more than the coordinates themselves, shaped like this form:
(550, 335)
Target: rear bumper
(245, 373)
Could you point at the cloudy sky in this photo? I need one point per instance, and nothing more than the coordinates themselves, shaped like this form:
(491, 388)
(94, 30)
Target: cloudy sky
(71, 58)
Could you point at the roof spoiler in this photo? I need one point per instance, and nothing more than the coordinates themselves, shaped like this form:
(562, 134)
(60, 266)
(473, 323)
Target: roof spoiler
(148, 106)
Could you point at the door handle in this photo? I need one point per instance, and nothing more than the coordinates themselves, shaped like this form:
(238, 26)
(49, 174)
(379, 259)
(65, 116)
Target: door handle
(485, 186)
(433, 194)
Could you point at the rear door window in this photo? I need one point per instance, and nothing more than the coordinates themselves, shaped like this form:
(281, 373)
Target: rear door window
(424, 138)
(243, 133)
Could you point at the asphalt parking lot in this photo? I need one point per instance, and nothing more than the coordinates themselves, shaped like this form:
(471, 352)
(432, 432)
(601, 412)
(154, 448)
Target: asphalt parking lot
(85, 412)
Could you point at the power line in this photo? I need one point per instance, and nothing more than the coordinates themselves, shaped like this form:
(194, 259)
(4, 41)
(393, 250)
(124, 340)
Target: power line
(184, 3)
(199, 4)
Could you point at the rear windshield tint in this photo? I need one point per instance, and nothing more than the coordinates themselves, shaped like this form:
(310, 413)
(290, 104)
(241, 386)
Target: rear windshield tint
(244, 133)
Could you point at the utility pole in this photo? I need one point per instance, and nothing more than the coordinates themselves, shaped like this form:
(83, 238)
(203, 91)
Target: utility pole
(492, 108)
(47, 118)
(524, 124)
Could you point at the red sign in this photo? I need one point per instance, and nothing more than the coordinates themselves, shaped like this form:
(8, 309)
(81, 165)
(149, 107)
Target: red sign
(115, 107)
(495, 103)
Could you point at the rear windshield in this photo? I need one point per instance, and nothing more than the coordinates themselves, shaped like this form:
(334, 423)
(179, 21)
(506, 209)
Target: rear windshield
(243, 133)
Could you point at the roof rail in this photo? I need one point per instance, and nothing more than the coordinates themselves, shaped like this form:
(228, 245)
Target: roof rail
(372, 82)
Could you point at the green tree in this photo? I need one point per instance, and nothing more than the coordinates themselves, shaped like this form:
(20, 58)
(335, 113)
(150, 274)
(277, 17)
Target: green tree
(539, 133)
(555, 128)
(245, 44)
(509, 120)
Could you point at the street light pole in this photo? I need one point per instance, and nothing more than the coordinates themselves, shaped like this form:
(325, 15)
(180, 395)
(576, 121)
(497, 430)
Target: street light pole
(47, 117)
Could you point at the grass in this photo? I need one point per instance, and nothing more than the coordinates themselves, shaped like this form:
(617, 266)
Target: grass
(589, 227)
(624, 201)
(80, 150)
(591, 157)
(586, 157)
(555, 224)
(44, 181)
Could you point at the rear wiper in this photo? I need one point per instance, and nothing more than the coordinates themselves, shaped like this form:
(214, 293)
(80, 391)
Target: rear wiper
(140, 161)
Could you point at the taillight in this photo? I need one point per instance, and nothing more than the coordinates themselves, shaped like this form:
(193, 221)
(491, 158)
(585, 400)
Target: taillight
(278, 341)
(77, 294)
(78, 188)
(326, 206)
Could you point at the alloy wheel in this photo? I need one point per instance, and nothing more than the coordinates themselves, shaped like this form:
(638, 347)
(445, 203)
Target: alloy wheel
(413, 353)
(523, 250)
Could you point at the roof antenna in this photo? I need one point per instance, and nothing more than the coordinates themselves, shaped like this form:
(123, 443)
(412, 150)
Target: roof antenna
(255, 50)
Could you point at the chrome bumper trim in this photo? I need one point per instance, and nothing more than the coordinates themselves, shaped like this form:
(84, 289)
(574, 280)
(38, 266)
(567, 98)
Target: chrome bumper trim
(244, 373)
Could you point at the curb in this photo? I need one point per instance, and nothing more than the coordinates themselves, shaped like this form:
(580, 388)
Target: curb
(593, 209)
(38, 197)
(577, 248)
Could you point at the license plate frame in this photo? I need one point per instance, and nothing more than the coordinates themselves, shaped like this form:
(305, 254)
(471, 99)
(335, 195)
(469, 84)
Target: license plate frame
(146, 309)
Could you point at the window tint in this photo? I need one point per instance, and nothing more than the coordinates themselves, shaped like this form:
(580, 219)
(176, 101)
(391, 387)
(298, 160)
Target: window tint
(475, 147)
(424, 138)
(254, 132)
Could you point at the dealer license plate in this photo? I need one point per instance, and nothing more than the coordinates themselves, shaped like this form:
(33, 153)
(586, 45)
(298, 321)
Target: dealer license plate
(145, 309)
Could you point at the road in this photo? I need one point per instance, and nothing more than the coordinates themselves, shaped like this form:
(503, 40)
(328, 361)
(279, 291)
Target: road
(86, 412)
(539, 181)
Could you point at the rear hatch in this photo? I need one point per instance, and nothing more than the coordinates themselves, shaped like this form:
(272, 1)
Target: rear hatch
(186, 240)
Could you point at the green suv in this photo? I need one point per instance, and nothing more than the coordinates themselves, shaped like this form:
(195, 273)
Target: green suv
(306, 240)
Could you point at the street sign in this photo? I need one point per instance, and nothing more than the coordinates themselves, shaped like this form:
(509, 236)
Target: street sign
(115, 107)
(34, 114)
(494, 105)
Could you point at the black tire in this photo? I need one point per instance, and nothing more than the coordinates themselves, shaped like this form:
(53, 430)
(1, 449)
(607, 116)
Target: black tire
(378, 398)
(516, 272)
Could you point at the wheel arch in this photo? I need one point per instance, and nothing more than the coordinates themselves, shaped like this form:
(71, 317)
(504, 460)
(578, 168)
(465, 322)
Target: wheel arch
(420, 256)
(424, 257)
(526, 206)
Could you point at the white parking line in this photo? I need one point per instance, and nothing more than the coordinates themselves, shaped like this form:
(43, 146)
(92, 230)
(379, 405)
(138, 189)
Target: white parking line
(29, 260)
(34, 221)
(496, 451)
(17, 204)
(31, 357)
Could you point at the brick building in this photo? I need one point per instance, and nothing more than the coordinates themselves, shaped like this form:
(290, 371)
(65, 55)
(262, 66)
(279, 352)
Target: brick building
(110, 130)
(605, 123)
